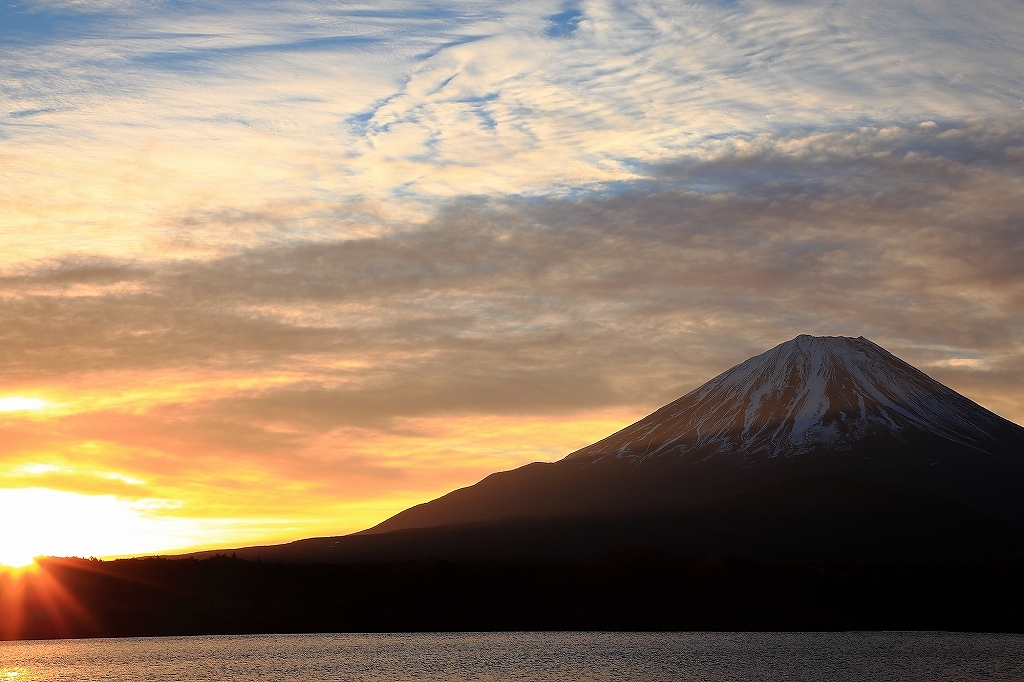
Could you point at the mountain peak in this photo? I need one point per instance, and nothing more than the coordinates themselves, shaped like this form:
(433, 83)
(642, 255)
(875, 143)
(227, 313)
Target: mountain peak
(814, 405)
(806, 395)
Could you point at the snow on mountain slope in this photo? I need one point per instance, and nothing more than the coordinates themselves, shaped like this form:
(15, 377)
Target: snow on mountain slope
(832, 407)
(809, 394)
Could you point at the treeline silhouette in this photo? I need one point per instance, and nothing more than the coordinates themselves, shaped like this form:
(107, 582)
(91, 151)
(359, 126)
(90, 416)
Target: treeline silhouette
(640, 589)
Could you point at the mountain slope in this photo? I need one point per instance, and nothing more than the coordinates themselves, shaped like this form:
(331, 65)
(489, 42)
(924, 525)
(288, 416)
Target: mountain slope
(805, 395)
(813, 405)
(809, 518)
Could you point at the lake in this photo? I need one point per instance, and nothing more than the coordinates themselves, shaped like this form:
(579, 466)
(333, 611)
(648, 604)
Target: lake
(525, 656)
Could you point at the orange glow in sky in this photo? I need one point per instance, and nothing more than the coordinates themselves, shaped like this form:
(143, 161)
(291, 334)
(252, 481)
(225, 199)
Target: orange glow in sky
(279, 270)
(102, 484)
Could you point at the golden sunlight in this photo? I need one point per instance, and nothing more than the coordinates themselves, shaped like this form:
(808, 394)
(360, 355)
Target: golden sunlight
(18, 404)
(15, 557)
(39, 521)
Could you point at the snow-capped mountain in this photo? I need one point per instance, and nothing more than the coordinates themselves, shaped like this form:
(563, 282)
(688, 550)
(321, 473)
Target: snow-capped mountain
(810, 394)
(811, 407)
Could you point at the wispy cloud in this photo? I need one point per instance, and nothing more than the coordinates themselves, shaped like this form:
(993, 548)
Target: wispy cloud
(909, 235)
(164, 110)
(359, 253)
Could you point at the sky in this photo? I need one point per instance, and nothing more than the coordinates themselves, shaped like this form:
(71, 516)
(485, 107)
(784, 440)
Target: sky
(280, 269)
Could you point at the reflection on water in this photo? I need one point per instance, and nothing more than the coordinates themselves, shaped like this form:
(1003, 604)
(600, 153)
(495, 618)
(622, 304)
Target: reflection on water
(536, 657)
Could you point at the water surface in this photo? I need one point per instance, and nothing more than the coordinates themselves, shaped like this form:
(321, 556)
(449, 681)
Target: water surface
(534, 657)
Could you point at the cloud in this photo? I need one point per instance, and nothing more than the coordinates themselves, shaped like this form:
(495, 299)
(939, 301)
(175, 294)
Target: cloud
(146, 113)
(908, 235)
(352, 251)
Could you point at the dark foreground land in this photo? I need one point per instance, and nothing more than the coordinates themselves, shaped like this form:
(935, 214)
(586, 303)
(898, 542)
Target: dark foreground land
(632, 590)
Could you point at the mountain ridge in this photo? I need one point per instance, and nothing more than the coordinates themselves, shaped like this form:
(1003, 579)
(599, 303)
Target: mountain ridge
(833, 405)
(822, 447)
(820, 391)
(810, 518)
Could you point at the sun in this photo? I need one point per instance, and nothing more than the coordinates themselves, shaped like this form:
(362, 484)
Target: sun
(15, 557)
(42, 522)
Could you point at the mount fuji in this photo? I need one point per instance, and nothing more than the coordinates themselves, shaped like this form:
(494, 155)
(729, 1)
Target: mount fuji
(834, 406)
(822, 485)
(820, 447)
(811, 394)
